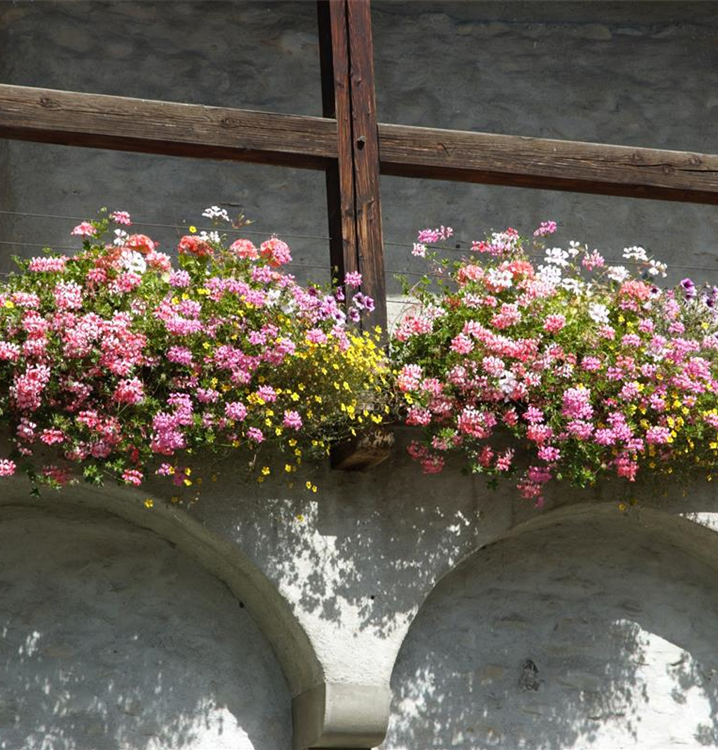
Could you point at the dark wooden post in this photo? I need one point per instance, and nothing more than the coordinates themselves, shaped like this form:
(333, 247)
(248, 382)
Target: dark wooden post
(347, 64)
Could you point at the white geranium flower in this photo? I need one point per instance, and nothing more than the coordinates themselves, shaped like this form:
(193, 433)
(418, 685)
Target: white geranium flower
(507, 382)
(273, 296)
(499, 279)
(635, 253)
(618, 273)
(575, 286)
(215, 212)
(656, 268)
(120, 237)
(133, 261)
(598, 312)
(210, 237)
(557, 257)
(550, 275)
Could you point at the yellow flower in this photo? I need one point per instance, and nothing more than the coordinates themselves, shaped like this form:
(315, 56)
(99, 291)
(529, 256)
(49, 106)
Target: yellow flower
(266, 471)
(9, 304)
(193, 230)
(149, 503)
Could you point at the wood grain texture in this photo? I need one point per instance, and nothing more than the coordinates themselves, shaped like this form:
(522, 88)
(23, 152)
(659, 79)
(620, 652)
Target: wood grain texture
(366, 158)
(121, 123)
(541, 163)
(336, 103)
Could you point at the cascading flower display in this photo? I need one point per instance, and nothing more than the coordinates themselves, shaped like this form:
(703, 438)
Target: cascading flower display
(588, 368)
(117, 358)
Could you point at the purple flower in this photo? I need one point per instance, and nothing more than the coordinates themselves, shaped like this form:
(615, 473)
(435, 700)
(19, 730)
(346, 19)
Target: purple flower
(689, 288)
(353, 279)
(363, 302)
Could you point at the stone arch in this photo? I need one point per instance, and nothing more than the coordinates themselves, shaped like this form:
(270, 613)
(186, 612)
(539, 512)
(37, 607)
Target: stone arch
(526, 642)
(222, 558)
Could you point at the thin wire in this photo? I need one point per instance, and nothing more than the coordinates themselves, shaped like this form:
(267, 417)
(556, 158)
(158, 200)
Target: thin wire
(622, 261)
(400, 271)
(325, 238)
(167, 226)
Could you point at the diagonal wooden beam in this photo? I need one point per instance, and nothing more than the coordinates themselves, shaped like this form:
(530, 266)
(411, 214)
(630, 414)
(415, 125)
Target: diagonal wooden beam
(517, 161)
(154, 127)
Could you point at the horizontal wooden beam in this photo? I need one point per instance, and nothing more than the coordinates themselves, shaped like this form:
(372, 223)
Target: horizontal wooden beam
(195, 130)
(167, 128)
(541, 163)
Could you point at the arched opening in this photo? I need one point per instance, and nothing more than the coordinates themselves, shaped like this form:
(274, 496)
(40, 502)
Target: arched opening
(112, 638)
(590, 632)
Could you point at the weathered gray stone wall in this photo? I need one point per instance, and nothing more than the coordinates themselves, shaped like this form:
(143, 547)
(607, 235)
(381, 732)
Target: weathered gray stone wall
(334, 582)
(635, 73)
(256, 55)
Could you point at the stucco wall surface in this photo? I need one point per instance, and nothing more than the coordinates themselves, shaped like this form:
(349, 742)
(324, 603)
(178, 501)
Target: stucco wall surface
(113, 640)
(590, 634)
(616, 611)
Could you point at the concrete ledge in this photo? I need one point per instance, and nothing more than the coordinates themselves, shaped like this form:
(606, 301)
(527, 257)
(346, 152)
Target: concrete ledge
(341, 715)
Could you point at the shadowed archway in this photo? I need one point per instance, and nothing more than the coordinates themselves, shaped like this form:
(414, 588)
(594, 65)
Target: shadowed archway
(582, 629)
